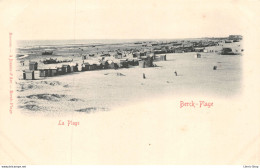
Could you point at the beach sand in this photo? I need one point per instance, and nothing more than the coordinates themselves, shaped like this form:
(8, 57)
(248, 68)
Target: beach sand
(102, 90)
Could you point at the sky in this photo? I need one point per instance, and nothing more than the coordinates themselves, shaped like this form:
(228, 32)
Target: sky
(123, 19)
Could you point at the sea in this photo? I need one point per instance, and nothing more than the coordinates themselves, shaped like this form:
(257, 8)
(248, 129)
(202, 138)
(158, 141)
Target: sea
(80, 42)
(42, 43)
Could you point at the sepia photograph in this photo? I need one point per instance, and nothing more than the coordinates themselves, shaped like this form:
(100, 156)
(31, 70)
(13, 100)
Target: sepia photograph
(132, 82)
(98, 75)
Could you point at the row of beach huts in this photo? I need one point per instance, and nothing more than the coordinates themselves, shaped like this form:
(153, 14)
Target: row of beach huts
(89, 65)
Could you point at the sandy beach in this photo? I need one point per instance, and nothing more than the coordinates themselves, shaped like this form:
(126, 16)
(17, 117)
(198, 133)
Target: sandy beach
(103, 90)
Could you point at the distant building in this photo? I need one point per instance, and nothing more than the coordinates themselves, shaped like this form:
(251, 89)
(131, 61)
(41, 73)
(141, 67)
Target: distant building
(235, 37)
(228, 41)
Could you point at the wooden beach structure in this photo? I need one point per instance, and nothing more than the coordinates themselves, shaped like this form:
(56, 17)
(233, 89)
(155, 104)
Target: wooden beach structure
(146, 61)
(33, 66)
(28, 75)
(197, 55)
(66, 69)
(43, 72)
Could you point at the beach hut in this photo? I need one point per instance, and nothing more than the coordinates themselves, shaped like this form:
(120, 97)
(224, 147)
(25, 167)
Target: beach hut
(136, 55)
(76, 68)
(152, 55)
(49, 73)
(227, 51)
(89, 67)
(163, 57)
(43, 72)
(130, 61)
(59, 71)
(123, 63)
(33, 66)
(28, 75)
(94, 67)
(73, 67)
(66, 69)
(198, 55)
(142, 53)
(142, 64)
(149, 61)
(111, 64)
(83, 67)
(104, 64)
(136, 61)
(36, 74)
(52, 72)
(133, 62)
(146, 61)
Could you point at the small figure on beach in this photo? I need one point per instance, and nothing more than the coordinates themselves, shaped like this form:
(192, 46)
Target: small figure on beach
(214, 67)
(175, 73)
(144, 75)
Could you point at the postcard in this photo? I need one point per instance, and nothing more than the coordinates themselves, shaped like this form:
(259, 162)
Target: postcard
(130, 82)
